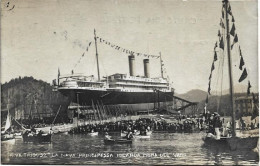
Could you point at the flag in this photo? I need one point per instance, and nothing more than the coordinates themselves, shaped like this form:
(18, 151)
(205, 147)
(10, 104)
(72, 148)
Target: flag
(219, 35)
(240, 51)
(235, 41)
(216, 45)
(221, 43)
(248, 88)
(72, 72)
(243, 76)
(212, 67)
(100, 40)
(215, 56)
(241, 63)
(229, 10)
(222, 24)
(83, 54)
(233, 20)
(233, 29)
(223, 15)
(87, 49)
(89, 43)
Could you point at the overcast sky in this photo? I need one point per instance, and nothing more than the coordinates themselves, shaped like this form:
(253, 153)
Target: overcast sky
(38, 37)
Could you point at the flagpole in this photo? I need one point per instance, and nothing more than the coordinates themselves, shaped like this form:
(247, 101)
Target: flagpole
(231, 89)
(161, 64)
(96, 54)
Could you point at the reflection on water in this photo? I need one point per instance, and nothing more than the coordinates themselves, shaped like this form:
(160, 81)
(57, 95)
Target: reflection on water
(161, 148)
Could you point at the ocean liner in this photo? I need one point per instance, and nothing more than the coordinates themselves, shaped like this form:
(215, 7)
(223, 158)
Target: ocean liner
(138, 92)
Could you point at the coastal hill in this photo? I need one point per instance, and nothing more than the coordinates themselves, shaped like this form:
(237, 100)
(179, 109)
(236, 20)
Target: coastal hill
(30, 96)
(194, 95)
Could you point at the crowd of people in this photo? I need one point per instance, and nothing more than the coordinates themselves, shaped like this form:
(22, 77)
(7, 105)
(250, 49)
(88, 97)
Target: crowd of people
(142, 124)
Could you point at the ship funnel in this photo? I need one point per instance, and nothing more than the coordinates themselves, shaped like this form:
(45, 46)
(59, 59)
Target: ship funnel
(146, 68)
(131, 59)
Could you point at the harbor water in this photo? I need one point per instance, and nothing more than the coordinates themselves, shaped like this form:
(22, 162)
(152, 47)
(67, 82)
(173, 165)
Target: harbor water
(160, 149)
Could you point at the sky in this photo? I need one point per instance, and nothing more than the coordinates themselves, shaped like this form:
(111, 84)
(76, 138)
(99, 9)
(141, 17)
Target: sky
(38, 37)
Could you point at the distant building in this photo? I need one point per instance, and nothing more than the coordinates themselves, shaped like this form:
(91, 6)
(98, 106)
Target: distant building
(245, 104)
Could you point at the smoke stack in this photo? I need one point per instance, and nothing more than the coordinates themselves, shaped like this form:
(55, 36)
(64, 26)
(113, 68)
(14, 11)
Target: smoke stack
(131, 59)
(146, 68)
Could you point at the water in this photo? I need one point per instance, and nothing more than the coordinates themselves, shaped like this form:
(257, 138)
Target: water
(160, 149)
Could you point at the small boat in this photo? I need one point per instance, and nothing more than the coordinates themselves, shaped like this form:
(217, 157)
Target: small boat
(40, 137)
(235, 141)
(124, 133)
(18, 135)
(93, 133)
(242, 143)
(118, 141)
(210, 139)
(146, 134)
(6, 134)
(142, 136)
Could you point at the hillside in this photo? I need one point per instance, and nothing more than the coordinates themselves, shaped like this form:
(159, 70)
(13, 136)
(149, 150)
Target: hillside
(30, 96)
(194, 95)
(215, 103)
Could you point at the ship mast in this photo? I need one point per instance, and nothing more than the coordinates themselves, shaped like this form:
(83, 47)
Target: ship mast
(231, 89)
(161, 64)
(96, 54)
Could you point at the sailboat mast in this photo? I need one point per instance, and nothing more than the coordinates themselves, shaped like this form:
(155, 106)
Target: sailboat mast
(96, 54)
(231, 89)
(161, 64)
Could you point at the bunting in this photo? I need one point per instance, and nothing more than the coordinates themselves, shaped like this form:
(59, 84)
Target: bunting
(219, 35)
(216, 45)
(233, 20)
(222, 24)
(243, 76)
(221, 43)
(242, 63)
(212, 67)
(235, 41)
(127, 51)
(215, 56)
(233, 29)
(88, 46)
(229, 10)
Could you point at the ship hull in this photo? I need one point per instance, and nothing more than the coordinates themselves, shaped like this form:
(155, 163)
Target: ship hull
(136, 100)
